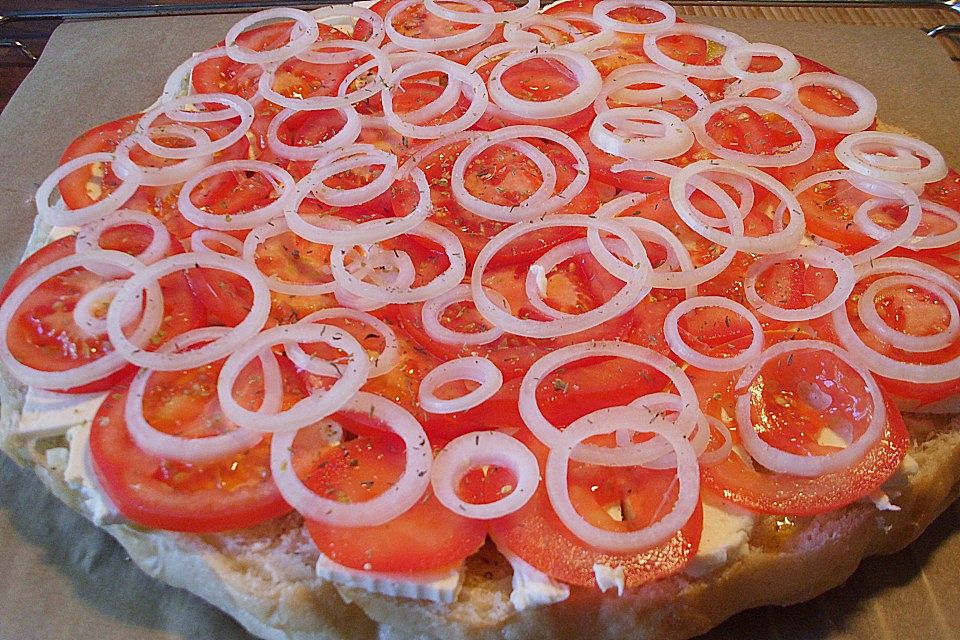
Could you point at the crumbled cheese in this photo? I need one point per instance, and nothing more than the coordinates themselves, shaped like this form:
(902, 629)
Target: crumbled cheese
(530, 587)
(46, 414)
(609, 577)
(725, 536)
(441, 586)
(80, 477)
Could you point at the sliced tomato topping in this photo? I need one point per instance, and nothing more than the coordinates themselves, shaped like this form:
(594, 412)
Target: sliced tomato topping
(234, 493)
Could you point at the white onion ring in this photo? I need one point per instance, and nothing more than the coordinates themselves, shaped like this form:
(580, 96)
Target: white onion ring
(347, 134)
(476, 35)
(318, 404)
(88, 238)
(83, 314)
(520, 13)
(522, 211)
(668, 138)
(57, 217)
(818, 256)
(197, 449)
(549, 435)
(877, 232)
(173, 174)
(236, 107)
(777, 242)
(806, 466)
(858, 121)
(736, 62)
(671, 332)
(710, 34)
(867, 310)
(624, 300)
(348, 158)
(401, 294)
(569, 104)
(434, 308)
(479, 370)
(743, 88)
(802, 153)
(858, 151)
(673, 86)
(300, 40)
(279, 177)
(374, 266)
(377, 28)
(99, 368)
(131, 294)
(200, 238)
(248, 251)
(688, 474)
(477, 449)
(393, 502)
(602, 10)
(380, 364)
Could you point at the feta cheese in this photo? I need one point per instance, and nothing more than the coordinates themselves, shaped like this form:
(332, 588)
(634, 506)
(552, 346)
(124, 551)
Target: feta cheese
(442, 586)
(725, 537)
(79, 475)
(46, 414)
(609, 577)
(530, 587)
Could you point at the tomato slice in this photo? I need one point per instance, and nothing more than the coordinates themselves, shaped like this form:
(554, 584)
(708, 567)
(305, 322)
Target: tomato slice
(362, 468)
(615, 498)
(234, 493)
(43, 334)
(785, 418)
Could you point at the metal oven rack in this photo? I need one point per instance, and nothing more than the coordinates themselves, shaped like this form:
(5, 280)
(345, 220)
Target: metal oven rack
(951, 30)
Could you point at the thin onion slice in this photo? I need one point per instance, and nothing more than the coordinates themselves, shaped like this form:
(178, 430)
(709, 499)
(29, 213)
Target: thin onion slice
(393, 502)
(859, 120)
(806, 466)
(434, 307)
(602, 10)
(867, 309)
(478, 449)
(346, 134)
(464, 17)
(130, 175)
(88, 238)
(282, 181)
(175, 110)
(479, 370)
(261, 234)
(671, 332)
(736, 61)
(817, 256)
(461, 40)
(862, 151)
(634, 138)
(172, 174)
(380, 364)
(580, 98)
(300, 39)
(710, 34)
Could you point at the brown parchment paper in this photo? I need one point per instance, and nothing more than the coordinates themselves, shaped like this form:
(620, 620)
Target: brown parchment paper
(60, 577)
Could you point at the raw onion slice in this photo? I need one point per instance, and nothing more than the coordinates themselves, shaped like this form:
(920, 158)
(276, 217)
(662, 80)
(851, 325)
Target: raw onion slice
(393, 502)
(130, 297)
(633, 137)
(602, 10)
(201, 239)
(933, 241)
(657, 453)
(806, 466)
(88, 239)
(710, 34)
(479, 370)
(434, 307)
(233, 440)
(342, 99)
(353, 13)
(866, 103)
(744, 88)
(803, 151)
(86, 315)
(175, 110)
(688, 476)
(481, 449)
(346, 135)
(172, 174)
(784, 240)
(131, 176)
(879, 155)
(536, 281)
(400, 294)
(377, 266)
(817, 256)
(300, 39)
(867, 309)
(101, 367)
(623, 301)
(671, 331)
(320, 403)
(885, 365)
(382, 363)
(551, 29)
(471, 81)
(549, 435)
(465, 17)
(537, 201)
(348, 158)
(673, 85)
(261, 234)
(580, 98)
(736, 61)
(282, 181)
(460, 40)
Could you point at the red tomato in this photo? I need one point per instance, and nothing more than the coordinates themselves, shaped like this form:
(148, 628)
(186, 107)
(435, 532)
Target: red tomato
(361, 469)
(535, 533)
(784, 419)
(234, 493)
(43, 334)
